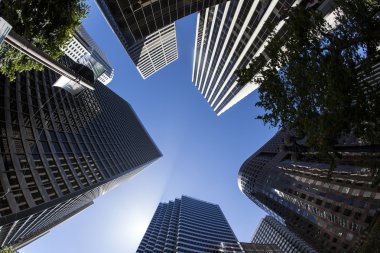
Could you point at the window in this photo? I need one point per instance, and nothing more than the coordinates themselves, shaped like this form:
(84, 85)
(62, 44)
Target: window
(368, 219)
(347, 212)
(357, 216)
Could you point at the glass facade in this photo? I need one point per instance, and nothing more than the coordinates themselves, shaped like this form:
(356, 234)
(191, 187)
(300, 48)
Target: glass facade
(187, 225)
(83, 49)
(271, 231)
(243, 247)
(327, 208)
(146, 28)
(58, 152)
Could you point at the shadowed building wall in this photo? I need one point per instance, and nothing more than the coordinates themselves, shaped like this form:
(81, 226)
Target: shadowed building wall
(329, 209)
(58, 152)
(271, 231)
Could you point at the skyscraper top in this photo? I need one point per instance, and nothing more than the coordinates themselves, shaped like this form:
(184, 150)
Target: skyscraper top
(146, 28)
(83, 49)
(133, 20)
(187, 225)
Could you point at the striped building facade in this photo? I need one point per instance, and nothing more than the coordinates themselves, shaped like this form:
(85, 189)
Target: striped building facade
(158, 50)
(228, 37)
(271, 231)
(187, 225)
(146, 28)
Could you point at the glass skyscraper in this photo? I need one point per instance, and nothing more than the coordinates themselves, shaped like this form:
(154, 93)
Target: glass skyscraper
(187, 225)
(271, 231)
(83, 49)
(328, 208)
(58, 152)
(228, 37)
(156, 51)
(145, 28)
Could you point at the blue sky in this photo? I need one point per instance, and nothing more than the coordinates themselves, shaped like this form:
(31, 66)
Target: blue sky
(202, 153)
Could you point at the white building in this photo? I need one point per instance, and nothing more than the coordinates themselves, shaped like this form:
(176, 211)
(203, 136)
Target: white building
(82, 48)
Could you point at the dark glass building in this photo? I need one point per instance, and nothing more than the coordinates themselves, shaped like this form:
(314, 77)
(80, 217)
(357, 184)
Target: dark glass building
(58, 152)
(187, 225)
(145, 28)
(271, 231)
(329, 209)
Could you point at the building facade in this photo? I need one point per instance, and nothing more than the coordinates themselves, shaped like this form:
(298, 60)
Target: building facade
(156, 51)
(329, 209)
(141, 26)
(187, 225)
(244, 247)
(83, 49)
(271, 231)
(58, 152)
(228, 37)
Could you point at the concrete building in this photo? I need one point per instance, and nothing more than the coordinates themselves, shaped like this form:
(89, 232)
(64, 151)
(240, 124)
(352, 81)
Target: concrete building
(329, 209)
(244, 247)
(187, 225)
(58, 152)
(229, 35)
(156, 51)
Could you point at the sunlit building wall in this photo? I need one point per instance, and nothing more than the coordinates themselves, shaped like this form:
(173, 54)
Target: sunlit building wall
(146, 27)
(228, 37)
(244, 247)
(82, 45)
(156, 51)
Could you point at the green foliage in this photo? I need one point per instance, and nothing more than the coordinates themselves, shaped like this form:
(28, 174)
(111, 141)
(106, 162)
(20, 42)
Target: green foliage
(47, 24)
(7, 250)
(311, 82)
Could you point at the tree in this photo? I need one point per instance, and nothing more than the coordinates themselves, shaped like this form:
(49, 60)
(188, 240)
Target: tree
(313, 82)
(47, 24)
(7, 250)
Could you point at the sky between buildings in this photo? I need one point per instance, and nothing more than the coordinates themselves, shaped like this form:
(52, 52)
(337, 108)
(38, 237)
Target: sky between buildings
(202, 153)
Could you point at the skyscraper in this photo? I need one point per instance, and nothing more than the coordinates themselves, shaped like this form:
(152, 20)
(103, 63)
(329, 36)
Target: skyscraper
(155, 52)
(228, 37)
(244, 247)
(328, 208)
(271, 231)
(58, 152)
(141, 25)
(187, 225)
(83, 49)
